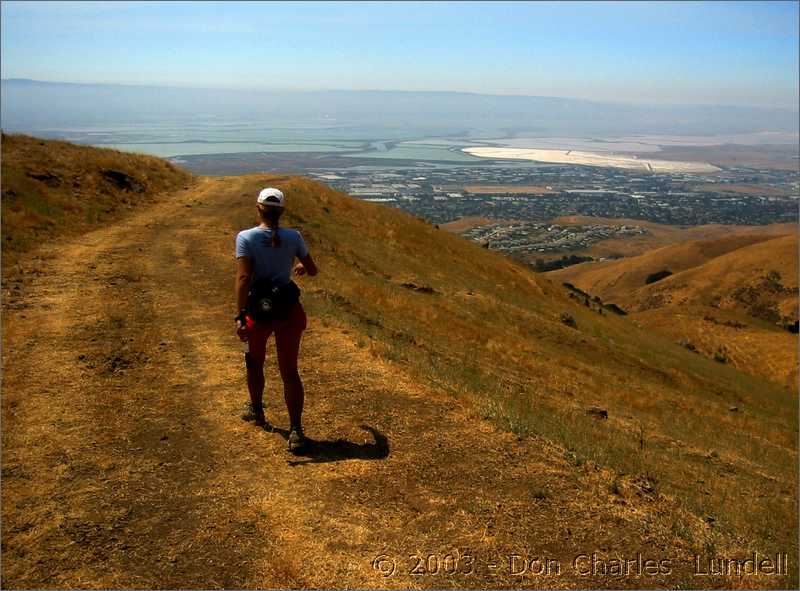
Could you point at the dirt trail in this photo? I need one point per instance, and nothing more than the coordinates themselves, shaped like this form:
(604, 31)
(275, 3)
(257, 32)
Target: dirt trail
(125, 463)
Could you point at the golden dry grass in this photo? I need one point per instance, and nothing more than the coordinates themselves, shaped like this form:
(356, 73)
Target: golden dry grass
(769, 268)
(53, 188)
(618, 280)
(659, 235)
(143, 476)
(730, 297)
(491, 331)
(747, 344)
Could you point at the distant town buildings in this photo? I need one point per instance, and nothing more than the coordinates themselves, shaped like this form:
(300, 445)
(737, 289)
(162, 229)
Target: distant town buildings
(441, 194)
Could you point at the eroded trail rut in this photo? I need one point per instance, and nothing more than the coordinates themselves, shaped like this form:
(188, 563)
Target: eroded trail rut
(125, 463)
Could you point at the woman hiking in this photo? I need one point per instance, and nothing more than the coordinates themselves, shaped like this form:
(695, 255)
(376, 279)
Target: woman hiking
(268, 301)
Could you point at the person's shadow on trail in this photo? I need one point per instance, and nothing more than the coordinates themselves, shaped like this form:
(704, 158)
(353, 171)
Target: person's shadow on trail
(319, 452)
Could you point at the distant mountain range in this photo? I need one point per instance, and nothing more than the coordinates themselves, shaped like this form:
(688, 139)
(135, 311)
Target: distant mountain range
(30, 105)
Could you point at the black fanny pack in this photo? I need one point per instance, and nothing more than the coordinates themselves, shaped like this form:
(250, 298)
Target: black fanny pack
(268, 302)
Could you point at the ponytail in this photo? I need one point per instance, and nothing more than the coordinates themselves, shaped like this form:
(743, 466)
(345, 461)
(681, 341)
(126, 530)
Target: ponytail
(271, 216)
(273, 223)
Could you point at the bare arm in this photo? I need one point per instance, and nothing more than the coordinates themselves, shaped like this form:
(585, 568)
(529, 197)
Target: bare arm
(244, 270)
(306, 265)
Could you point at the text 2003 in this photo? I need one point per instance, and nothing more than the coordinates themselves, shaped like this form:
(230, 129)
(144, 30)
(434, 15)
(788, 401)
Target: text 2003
(452, 563)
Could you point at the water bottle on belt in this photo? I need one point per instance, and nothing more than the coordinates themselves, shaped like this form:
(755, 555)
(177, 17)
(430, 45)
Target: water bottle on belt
(246, 344)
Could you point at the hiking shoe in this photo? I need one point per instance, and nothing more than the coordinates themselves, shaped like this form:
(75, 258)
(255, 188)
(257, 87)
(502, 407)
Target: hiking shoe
(251, 414)
(296, 439)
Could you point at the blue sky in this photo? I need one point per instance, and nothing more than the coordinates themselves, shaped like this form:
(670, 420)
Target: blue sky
(685, 52)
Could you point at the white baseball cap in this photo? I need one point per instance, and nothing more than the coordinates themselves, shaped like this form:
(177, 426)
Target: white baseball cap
(272, 197)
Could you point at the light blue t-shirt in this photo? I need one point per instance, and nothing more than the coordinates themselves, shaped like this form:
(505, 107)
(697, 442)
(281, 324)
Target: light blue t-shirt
(269, 262)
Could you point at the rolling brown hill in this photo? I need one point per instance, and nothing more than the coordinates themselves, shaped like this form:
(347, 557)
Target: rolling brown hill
(731, 297)
(58, 186)
(450, 394)
(625, 279)
(660, 235)
(757, 279)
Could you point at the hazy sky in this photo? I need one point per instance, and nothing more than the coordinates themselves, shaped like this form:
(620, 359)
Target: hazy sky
(684, 52)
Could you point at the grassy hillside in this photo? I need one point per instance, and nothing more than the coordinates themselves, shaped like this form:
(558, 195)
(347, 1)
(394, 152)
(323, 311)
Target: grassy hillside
(474, 323)
(700, 272)
(52, 188)
(757, 279)
(729, 298)
(467, 322)
(660, 235)
(617, 280)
